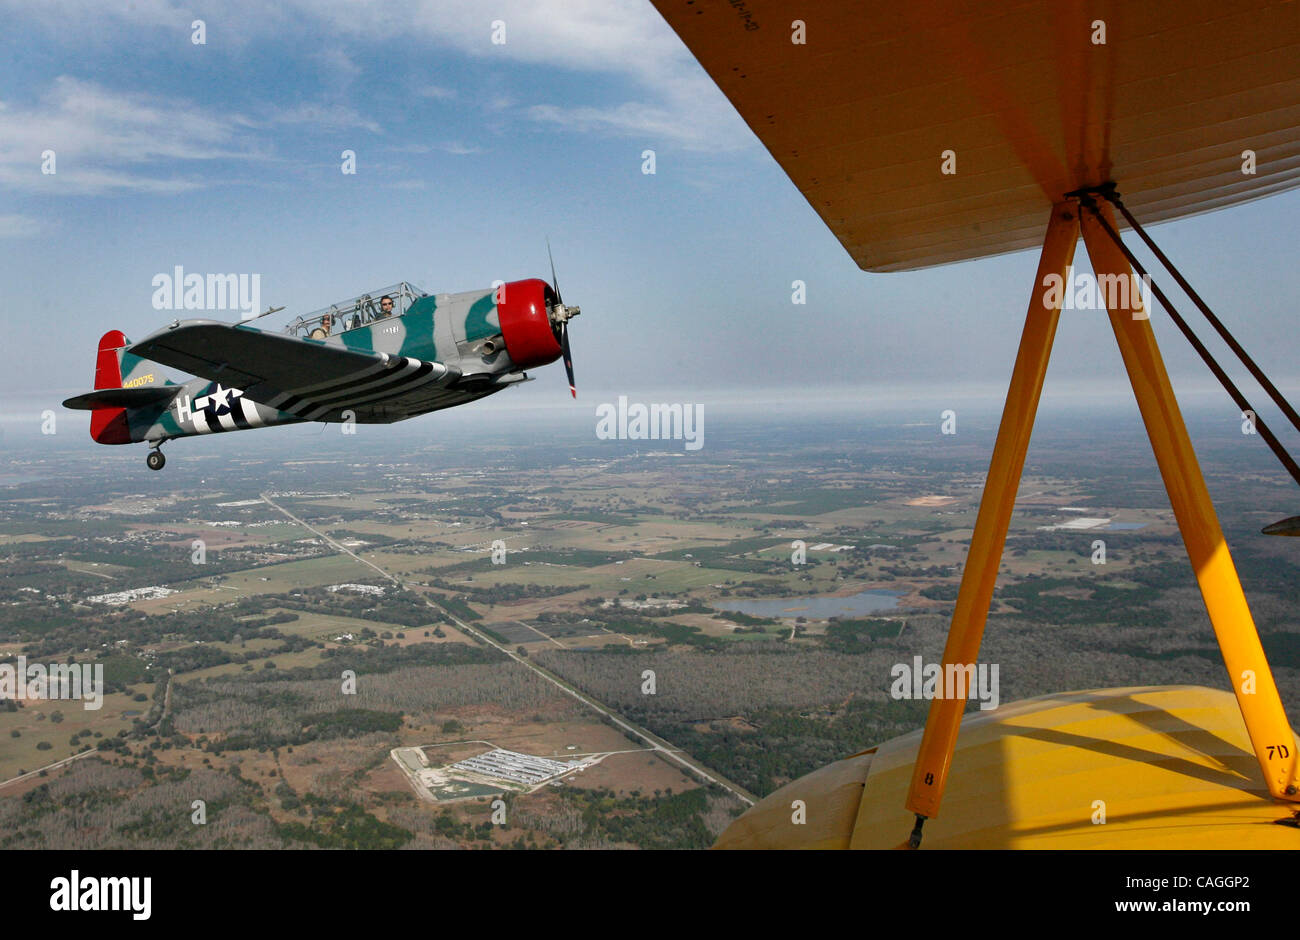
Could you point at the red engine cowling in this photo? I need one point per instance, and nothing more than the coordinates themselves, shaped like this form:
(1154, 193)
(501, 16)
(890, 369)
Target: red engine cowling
(526, 324)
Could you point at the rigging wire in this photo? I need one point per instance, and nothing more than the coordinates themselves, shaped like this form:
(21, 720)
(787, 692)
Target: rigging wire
(1088, 201)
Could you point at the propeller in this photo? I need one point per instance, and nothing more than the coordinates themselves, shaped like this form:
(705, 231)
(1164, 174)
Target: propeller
(555, 282)
(562, 315)
(1289, 526)
(568, 358)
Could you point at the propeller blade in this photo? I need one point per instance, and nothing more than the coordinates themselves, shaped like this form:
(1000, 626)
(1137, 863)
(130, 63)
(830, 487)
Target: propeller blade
(1289, 526)
(568, 359)
(555, 283)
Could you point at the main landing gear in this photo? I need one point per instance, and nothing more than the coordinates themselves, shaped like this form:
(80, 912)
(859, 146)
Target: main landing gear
(156, 460)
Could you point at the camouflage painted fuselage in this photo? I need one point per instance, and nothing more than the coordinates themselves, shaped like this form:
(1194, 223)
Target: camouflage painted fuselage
(446, 350)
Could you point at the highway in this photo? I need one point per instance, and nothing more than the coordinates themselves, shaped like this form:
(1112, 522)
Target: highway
(656, 743)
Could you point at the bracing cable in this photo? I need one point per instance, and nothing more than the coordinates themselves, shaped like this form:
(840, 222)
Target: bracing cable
(1088, 201)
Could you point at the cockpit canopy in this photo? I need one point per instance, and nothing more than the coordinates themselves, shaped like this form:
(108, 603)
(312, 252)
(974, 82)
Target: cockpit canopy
(356, 312)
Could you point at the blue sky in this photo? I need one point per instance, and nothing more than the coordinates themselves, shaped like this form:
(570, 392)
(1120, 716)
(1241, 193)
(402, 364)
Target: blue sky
(225, 157)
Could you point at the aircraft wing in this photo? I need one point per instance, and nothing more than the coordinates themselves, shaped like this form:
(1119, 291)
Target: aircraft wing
(307, 378)
(930, 131)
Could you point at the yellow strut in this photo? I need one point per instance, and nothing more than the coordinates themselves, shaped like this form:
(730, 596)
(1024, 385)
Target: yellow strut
(979, 576)
(1252, 681)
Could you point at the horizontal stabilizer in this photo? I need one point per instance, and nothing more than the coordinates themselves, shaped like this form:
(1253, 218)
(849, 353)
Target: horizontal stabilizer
(123, 397)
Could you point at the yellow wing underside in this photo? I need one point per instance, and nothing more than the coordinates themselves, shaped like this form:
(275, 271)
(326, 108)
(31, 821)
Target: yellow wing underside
(1032, 99)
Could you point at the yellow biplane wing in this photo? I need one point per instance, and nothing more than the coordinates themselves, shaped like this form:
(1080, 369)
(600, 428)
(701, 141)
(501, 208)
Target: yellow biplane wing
(1022, 102)
(932, 131)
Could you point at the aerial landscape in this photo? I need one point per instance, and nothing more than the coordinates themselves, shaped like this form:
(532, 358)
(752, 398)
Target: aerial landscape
(781, 426)
(623, 646)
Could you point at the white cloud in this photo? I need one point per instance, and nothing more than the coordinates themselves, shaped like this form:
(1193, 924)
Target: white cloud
(105, 140)
(21, 226)
(629, 39)
(457, 149)
(650, 124)
(453, 147)
(111, 141)
(336, 67)
(323, 115)
(58, 14)
(673, 101)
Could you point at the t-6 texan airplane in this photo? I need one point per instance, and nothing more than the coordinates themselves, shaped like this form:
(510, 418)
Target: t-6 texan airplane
(381, 357)
(926, 132)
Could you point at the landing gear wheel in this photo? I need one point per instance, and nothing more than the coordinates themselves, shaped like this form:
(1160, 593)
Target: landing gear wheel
(155, 460)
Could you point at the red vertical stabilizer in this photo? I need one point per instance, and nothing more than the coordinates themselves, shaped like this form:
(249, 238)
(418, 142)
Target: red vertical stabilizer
(109, 425)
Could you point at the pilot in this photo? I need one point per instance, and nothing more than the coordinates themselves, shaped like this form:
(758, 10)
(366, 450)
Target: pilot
(385, 306)
(322, 331)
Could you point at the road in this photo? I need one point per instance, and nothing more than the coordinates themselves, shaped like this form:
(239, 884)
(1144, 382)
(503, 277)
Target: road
(56, 764)
(329, 541)
(656, 744)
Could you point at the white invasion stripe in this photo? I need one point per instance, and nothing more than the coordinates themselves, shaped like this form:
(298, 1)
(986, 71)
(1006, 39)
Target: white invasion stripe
(408, 366)
(435, 395)
(437, 374)
(355, 394)
(383, 363)
(379, 397)
(251, 413)
(331, 383)
(228, 419)
(395, 392)
(326, 390)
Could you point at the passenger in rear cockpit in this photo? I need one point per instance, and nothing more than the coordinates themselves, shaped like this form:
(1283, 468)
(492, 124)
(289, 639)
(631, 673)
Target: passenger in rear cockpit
(385, 307)
(322, 331)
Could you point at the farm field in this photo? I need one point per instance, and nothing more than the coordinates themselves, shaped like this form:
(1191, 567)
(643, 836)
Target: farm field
(573, 606)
